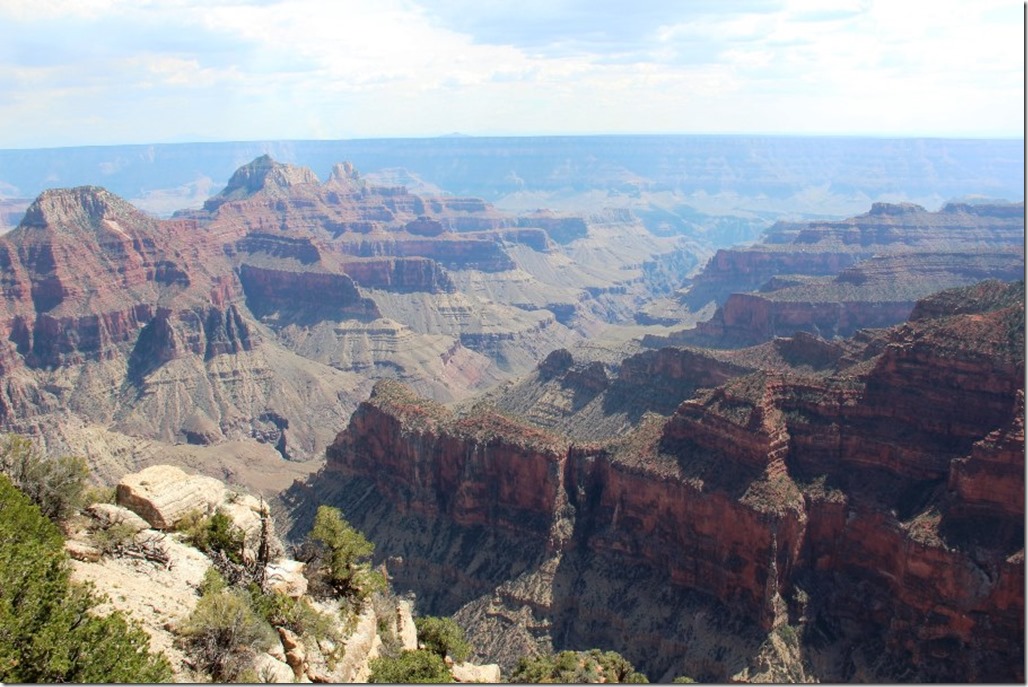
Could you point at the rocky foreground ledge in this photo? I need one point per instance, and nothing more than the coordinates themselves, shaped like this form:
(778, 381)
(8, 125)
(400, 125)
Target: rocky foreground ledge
(132, 552)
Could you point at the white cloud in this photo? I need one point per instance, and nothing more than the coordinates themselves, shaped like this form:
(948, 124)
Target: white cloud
(309, 68)
(22, 10)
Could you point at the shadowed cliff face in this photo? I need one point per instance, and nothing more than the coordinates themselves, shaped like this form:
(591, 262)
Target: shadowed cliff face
(860, 514)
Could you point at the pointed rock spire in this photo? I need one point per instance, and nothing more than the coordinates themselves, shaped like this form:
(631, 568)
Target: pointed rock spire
(263, 174)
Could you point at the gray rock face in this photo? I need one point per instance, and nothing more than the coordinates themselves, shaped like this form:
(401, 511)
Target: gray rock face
(286, 577)
(163, 494)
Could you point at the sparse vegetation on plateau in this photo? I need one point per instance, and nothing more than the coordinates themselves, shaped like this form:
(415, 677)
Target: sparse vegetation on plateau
(296, 615)
(225, 633)
(214, 534)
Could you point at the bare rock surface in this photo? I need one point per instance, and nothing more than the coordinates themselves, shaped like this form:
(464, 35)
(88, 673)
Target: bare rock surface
(80, 551)
(286, 577)
(362, 646)
(406, 632)
(470, 672)
(164, 494)
(271, 670)
(109, 514)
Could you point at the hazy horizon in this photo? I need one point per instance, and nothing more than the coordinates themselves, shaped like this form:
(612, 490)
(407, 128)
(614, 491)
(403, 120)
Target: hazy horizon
(459, 135)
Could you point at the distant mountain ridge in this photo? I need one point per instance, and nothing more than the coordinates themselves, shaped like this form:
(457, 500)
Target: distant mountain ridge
(736, 174)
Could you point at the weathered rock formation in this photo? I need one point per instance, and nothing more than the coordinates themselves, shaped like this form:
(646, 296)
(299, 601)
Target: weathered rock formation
(833, 278)
(164, 494)
(857, 508)
(273, 308)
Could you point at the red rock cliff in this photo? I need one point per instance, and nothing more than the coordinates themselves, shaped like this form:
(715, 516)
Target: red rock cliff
(880, 490)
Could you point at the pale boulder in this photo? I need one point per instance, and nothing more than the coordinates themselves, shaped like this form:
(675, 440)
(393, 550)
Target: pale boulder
(163, 494)
(245, 513)
(286, 577)
(108, 515)
(406, 632)
(470, 672)
(81, 551)
(269, 669)
(362, 646)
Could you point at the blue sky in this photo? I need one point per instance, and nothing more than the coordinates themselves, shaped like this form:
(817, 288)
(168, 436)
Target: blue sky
(81, 72)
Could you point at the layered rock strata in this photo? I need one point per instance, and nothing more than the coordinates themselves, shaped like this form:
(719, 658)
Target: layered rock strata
(833, 278)
(274, 306)
(847, 506)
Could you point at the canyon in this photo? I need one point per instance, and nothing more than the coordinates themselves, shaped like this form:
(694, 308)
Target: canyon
(724, 189)
(862, 521)
(833, 278)
(796, 459)
(267, 314)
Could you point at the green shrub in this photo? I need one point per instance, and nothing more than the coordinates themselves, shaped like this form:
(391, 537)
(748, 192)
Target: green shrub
(419, 666)
(216, 533)
(114, 539)
(212, 582)
(49, 630)
(296, 615)
(444, 637)
(345, 562)
(55, 485)
(104, 494)
(224, 634)
(576, 667)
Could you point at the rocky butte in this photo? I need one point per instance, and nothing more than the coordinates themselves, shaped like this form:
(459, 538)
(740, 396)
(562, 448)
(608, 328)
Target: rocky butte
(833, 278)
(856, 519)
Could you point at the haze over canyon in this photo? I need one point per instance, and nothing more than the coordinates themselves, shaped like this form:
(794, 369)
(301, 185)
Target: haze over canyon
(739, 408)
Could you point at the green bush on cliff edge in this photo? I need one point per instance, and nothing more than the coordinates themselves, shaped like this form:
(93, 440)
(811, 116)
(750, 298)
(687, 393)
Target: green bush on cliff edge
(49, 631)
(344, 557)
(577, 667)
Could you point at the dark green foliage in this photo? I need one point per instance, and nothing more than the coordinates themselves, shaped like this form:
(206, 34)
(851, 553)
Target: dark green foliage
(56, 485)
(344, 561)
(296, 615)
(224, 634)
(216, 533)
(444, 637)
(421, 666)
(48, 631)
(577, 667)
